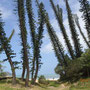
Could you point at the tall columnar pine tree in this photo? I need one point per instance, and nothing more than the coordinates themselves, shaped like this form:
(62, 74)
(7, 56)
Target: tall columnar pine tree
(85, 9)
(23, 33)
(32, 31)
(75, 38)
(58, 48)
(41, 21)
(36, 37)
(8, 51)
(59, 17)
(78, 25)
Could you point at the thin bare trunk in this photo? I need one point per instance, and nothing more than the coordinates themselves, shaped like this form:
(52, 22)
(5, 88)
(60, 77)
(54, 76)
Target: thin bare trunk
(33, 69)
(36, 73)
(23, 73)
(13, 69)
(27, 75)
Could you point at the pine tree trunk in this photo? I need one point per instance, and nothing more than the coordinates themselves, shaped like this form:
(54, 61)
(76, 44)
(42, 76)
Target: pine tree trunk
(23, 73)
(27, 75)
(33, 67)
(14, 77)
(13, 70)
(36, 73)
(21, 14)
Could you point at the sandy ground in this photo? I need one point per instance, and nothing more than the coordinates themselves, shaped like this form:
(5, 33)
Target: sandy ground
(61, 87)
(55, 79)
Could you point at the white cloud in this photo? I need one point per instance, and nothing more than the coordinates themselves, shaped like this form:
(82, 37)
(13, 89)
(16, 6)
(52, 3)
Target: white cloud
(5, 12)
(55, 24)
(47, 48)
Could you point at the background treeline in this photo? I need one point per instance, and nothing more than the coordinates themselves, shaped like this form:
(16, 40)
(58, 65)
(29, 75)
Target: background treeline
(71, 66)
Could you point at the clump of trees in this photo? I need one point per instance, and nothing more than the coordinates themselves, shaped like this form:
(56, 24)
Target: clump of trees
(36, 39)
(74, 67)
(70, 66)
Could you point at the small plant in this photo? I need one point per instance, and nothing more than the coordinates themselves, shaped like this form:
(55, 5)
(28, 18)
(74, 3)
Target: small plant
(42, 80)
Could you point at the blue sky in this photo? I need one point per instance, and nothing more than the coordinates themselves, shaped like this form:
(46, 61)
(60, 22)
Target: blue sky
(48, 57)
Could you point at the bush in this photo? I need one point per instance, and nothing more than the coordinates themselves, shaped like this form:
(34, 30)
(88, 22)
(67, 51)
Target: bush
(42, 80)
(75, 69)
(3, 74)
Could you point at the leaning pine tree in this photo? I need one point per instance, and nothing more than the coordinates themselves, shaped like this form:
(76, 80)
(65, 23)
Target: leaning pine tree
(59, 17)
(54, 39)
(39, 36)
(85, 9)
(32, 33)
(36, 38)
(7, 48)
(74, 33)
(23, 34)
(58, 48)
(80, 30)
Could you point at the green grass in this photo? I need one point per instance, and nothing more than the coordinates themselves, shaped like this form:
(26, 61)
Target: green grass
(83, 84)
(6, 85)
(54, 83)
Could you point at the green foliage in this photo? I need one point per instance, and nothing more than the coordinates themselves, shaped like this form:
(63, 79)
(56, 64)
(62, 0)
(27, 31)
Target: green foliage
(31, 21)
(59, 16)
(42, 80)
(78, 25)
(58, 48)
(74, 33)
(23, 34)
(76, 69)
(7, 48)
(85, 9)
(54, 83)
(10, 37)
(4, 41)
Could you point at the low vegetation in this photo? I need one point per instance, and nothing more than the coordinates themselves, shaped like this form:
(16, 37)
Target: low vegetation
(82, 84)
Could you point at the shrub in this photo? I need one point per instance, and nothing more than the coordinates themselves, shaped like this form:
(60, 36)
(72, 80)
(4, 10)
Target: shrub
(42, 80)
(80, 67)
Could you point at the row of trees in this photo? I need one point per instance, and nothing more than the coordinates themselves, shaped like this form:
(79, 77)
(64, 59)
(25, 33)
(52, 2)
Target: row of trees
(31, 65)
